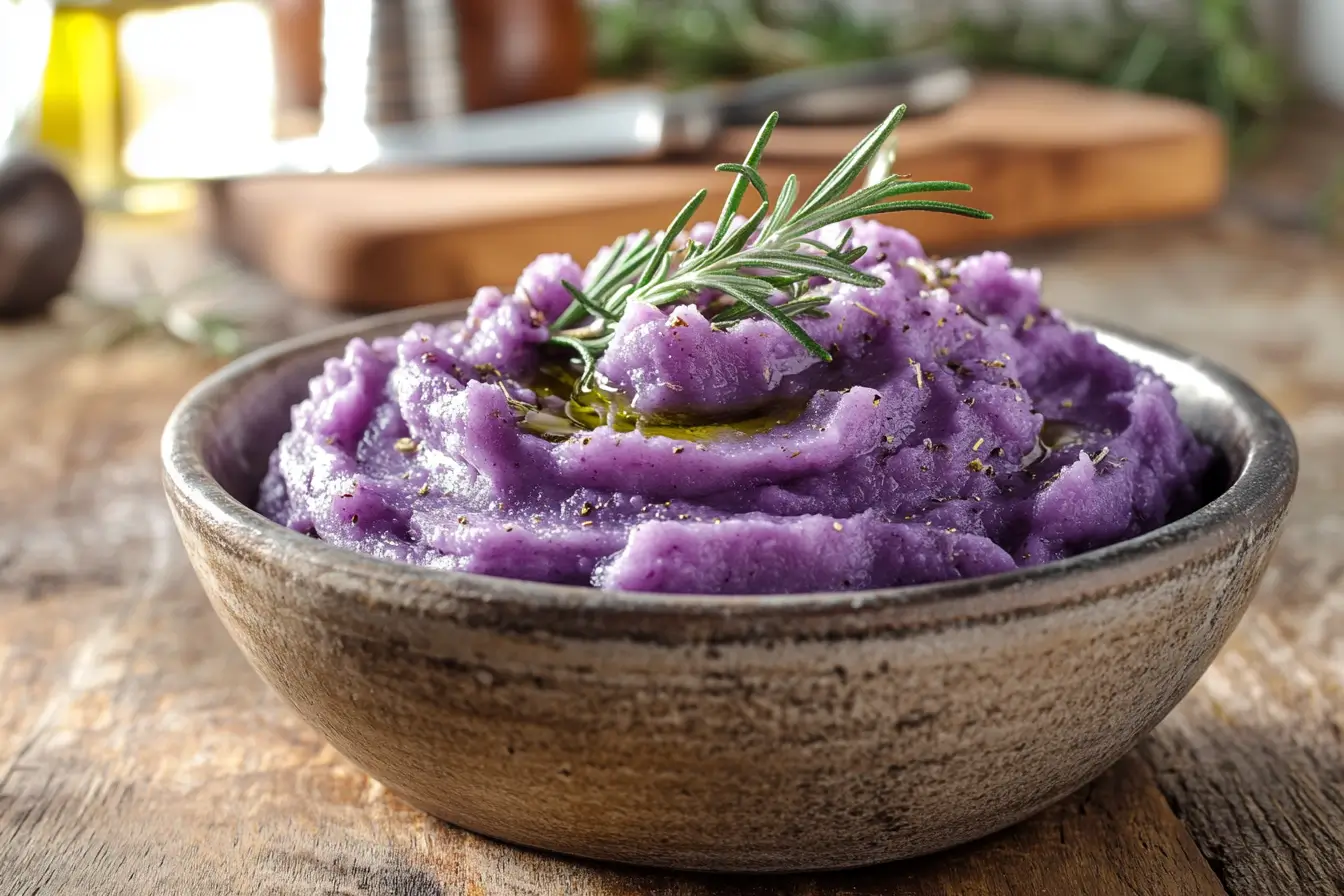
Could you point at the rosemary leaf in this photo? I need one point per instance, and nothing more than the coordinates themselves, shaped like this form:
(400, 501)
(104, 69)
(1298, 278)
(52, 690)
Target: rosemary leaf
(803, 305)
(792, 308)
(852, 255)
(750, 174)
(764, 307)
(669, 237)
(929, 205)
(861, 203)
(588, 304)
(815, 266)
(617, 268)
(818, 244)
(736, 240)
(788, 195)
(844, 174)
(736, 285)
(613, 255)
(739, 188)
(585, 354)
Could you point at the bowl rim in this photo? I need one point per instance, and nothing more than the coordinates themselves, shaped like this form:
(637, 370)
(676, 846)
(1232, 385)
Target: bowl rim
(1255, 499)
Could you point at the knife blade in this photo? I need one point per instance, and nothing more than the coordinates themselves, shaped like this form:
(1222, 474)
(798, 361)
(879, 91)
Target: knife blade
(854, 93)
(630, 124)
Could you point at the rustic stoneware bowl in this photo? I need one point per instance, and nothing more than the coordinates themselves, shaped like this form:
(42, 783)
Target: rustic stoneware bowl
(726, 733)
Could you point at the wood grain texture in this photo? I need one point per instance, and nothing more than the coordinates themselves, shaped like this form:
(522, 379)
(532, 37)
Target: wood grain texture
(140, 755)
(1252, 760)
(1044, 156)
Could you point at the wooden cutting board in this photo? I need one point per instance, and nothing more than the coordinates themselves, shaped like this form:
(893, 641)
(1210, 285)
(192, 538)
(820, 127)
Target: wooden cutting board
(1044, 156)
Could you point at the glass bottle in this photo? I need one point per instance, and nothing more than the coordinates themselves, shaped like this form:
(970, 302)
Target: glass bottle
(140, 96)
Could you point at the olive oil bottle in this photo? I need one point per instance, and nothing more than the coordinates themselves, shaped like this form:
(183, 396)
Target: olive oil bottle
(142, 96)
(80, 113)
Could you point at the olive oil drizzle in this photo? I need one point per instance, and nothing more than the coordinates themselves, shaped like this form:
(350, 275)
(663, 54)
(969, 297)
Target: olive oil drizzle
(591, 406)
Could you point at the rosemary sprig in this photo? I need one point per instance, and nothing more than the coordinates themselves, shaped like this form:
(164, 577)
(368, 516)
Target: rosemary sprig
(783, 257)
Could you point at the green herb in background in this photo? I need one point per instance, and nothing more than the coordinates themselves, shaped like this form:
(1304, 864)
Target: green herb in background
(1209, 53)
(689, 42)
(1330, 210)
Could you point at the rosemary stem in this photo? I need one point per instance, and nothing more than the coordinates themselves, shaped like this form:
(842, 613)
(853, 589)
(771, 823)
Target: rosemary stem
(767, 278)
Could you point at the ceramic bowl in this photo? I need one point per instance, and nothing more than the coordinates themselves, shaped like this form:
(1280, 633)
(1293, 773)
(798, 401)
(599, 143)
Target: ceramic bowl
(767, 733)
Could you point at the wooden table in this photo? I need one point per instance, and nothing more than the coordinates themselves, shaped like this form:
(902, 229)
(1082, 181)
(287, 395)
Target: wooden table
(140, 755)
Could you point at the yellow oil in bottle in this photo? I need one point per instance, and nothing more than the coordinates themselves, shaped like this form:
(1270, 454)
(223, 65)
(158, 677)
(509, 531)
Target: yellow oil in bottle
(143, 97)
(80, 115)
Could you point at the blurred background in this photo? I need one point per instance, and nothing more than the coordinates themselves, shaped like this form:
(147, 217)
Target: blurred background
(224, 173)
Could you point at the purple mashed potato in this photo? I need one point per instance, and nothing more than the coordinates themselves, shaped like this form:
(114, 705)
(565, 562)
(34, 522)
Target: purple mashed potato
(961, 430)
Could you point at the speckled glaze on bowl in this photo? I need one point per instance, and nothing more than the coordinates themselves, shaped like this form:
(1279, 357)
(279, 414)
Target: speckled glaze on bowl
(723, 733)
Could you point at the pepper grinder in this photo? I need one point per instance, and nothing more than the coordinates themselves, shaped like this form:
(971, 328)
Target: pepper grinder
(41, 234)
(392, 61)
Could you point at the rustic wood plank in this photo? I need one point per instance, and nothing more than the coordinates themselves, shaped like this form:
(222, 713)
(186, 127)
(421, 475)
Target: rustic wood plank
(140, 755)
(1253, 761)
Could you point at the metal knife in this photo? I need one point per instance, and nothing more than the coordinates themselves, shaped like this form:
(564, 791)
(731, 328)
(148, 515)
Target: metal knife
(623, 125)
